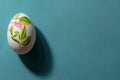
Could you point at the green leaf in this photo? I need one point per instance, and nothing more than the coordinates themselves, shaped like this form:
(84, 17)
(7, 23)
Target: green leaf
(16, 17)
(19, 37)
(15, 35)
(25, 21)
(16, 32)
(26, 41)
(23, 33)
(15, 40)
(11, 30)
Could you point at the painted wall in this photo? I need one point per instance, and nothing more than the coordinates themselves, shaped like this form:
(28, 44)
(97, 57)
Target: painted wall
(76, 40)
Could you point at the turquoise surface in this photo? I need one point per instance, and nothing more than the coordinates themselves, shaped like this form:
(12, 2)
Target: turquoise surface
(76, 40)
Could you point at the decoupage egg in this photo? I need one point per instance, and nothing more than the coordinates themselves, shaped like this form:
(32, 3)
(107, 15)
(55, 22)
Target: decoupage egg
(21, 33)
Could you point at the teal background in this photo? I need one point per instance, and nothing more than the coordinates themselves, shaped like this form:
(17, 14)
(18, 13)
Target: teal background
(76, 40)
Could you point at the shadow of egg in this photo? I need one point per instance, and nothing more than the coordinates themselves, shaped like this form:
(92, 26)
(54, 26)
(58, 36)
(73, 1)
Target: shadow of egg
(39, 60)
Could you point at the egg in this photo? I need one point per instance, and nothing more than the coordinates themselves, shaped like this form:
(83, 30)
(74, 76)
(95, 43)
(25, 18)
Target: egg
(21, 34)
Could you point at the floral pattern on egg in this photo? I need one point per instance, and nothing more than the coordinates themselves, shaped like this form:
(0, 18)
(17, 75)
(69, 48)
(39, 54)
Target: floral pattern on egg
(19, 36)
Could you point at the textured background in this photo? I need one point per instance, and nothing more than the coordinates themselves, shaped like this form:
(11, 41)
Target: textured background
(76, 40)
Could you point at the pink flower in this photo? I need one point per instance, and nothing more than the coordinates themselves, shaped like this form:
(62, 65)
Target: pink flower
(19, 25)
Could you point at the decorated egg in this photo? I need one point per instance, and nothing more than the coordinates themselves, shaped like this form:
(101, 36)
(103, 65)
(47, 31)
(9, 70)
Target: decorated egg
(21, 33)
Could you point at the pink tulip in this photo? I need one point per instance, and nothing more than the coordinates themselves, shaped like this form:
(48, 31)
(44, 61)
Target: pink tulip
(19, 25)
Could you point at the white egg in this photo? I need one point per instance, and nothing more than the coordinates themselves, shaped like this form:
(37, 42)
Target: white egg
(21, 33)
